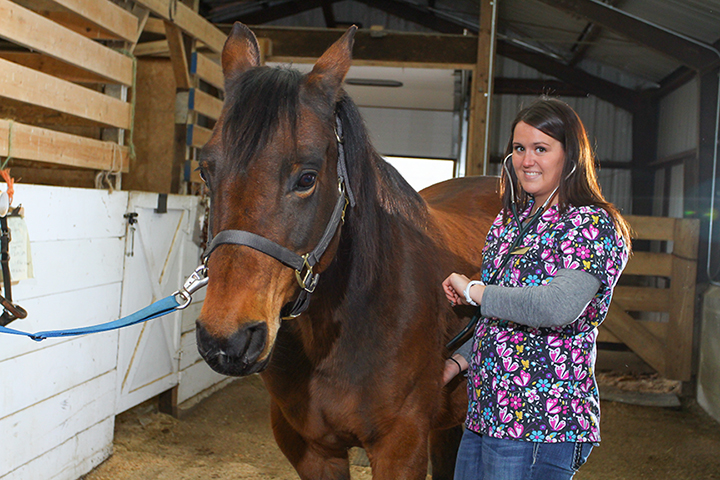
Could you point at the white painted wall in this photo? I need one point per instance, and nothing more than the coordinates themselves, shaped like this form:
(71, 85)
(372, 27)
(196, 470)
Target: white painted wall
(59, 397)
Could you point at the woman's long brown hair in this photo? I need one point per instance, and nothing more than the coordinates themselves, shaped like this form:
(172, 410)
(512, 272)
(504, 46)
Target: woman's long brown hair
(579, 187)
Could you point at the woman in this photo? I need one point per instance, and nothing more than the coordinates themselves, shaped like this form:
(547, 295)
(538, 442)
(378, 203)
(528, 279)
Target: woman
(534, 409)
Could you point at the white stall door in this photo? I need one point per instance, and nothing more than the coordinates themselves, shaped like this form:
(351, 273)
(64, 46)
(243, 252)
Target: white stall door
(159, 254)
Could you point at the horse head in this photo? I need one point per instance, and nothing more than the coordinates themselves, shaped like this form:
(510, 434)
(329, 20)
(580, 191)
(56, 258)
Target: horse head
(272, 170)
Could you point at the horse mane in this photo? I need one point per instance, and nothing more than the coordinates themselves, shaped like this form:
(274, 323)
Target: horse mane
(261, 100)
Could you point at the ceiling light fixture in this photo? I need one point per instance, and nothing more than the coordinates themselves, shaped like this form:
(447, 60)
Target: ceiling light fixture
(373, 82)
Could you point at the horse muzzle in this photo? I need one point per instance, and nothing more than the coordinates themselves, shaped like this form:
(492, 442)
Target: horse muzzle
(238, 354)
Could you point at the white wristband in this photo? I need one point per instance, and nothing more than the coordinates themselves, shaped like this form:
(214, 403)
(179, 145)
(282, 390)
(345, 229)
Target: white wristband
(467, 292)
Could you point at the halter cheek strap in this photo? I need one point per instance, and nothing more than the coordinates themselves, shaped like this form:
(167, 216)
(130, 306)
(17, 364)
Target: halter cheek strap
(302, 264)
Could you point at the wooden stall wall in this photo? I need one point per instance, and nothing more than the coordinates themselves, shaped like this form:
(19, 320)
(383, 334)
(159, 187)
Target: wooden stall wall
(658, 283)
(66, 68)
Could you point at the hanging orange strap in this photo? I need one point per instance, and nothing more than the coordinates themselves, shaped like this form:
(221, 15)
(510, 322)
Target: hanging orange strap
(5, 174)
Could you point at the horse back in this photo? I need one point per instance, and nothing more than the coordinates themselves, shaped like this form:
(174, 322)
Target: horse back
(463, 209)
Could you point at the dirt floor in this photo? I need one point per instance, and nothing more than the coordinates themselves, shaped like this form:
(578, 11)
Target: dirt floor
(227, 436)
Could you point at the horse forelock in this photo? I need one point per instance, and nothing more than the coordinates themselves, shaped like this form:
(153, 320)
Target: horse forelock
(259, 102)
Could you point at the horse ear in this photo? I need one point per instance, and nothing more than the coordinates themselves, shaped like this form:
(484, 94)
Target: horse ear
(330, 69)
(241, 51)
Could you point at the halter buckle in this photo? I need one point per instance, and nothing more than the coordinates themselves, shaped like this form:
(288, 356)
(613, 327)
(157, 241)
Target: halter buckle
(307, 281)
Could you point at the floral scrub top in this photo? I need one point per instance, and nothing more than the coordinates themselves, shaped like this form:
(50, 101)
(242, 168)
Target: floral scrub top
(538, 384)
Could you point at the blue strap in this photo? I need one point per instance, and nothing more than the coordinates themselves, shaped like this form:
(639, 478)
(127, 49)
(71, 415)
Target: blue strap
(157, 309)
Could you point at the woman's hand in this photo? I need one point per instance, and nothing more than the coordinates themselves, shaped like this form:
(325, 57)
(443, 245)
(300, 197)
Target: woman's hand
(454, 366)
(453, 286)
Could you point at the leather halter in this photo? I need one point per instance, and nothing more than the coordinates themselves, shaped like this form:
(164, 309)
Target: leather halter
(302, 264)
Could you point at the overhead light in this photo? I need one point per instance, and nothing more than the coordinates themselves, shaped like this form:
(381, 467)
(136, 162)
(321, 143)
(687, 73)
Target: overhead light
(373, 82)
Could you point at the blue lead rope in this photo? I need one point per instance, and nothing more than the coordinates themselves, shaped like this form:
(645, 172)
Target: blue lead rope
(158, 309)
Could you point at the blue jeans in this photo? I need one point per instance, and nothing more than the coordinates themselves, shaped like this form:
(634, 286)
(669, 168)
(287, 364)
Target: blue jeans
(486, 458)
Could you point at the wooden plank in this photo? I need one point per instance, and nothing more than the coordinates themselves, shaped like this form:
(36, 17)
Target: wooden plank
(155, 25)
(204, 104)
(207, 70)
(73, 458)
(633, 334)
(106, 15)
(37, 88)
(14, 371)
(649, 263)
(197, 136)
(178, 56)
(52, 66)
(188, 21)
(154, 49)
(681, 328)
(651, 228)
(643, 299)
(43, 145)
(79, 25)
(56, 420)
(31, 30)
(658, 329)
(481, 92)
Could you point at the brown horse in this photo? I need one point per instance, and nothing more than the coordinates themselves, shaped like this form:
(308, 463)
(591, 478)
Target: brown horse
(362, 365)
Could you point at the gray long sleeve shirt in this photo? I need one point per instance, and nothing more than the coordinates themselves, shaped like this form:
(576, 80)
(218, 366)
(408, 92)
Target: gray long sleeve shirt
(556, 304)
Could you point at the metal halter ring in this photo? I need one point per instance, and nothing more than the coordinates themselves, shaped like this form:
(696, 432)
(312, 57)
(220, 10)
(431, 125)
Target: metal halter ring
(308, 281)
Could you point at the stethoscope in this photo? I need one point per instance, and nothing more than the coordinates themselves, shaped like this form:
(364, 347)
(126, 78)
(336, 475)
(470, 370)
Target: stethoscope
(523, 229)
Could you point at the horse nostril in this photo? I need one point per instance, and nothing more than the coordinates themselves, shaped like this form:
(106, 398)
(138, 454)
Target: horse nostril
(237, 354)
(247, 343)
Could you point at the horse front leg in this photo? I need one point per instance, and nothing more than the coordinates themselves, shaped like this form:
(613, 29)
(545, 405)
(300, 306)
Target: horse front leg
(401, 454)
(311, 461)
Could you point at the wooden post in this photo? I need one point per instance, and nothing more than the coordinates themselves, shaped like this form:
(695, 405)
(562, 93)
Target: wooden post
(679, 341)
(480, 96)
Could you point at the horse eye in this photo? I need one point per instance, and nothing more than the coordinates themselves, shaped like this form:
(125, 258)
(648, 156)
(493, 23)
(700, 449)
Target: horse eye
(306, 181)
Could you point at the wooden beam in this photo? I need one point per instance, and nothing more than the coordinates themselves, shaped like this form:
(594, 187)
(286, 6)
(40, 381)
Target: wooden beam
(652, 228)
(105, 15)
(27, 28)
(636, 336)
(258, 14)
(681, 328)
(481, 92)
(153, 49)
(649, 263)
(178, 56)
(34, 143)
(37, 88)
(79, 25)
(419, 49)
(188, 20)
(659, 39)
(207, 70)
(643, 299)
(197, 136)
(52, 66)
(418, 14)
(204, 104)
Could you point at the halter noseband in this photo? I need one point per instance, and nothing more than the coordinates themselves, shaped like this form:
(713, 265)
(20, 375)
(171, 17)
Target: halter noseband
(303, 264)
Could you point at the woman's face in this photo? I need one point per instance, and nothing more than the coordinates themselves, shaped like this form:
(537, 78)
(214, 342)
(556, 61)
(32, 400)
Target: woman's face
(538, 161)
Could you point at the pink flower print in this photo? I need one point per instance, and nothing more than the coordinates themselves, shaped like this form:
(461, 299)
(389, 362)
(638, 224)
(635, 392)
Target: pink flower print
(502, 398)
(516, 430)
(591, 232)
(522, 379)
(583, 422)
(552, 406)
(550, 269)
(509, 365)
(577, 405)
(583, 252)
(556, 357)
(576, 355)
(560, 371)
(505, 417)
(569, 262)
(567, 247)
(579, 372)
(515, 402)
(503, 336)
(517, 337)
(556, 424)
(503, 350)
(577, 220)
(610, 267)
(554, 341)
